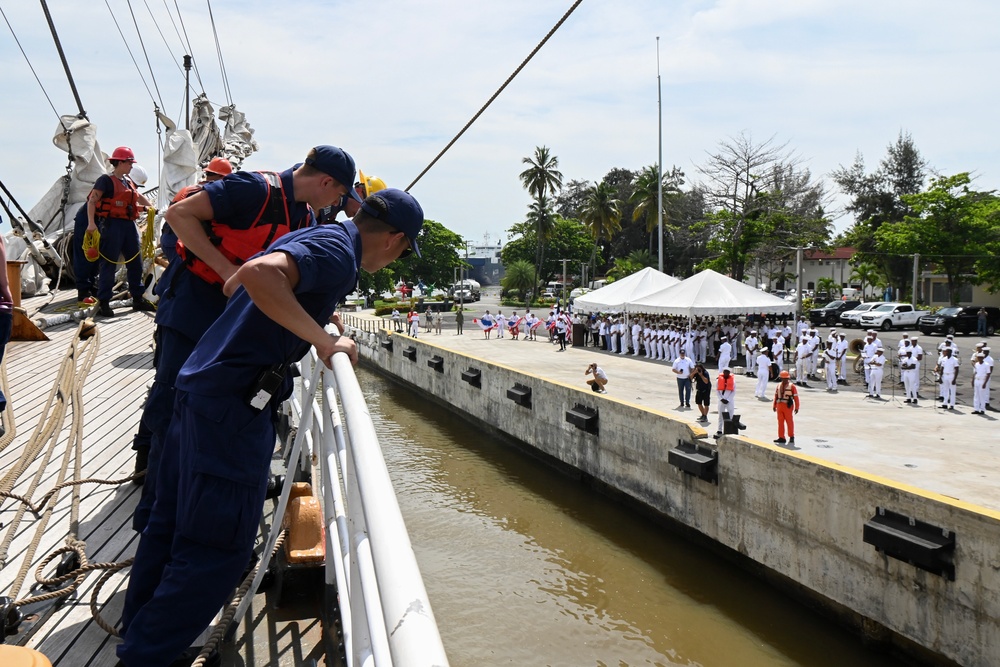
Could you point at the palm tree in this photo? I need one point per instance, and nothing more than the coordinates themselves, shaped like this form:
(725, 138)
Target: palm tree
(520, 276)
(643, 258)
(645, 197)
(828, 285)
(602, 216)
(541, 217)
(867, 274)
(541, 178)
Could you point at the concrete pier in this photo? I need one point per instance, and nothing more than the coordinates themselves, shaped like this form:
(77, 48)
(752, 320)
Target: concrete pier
(916, 482)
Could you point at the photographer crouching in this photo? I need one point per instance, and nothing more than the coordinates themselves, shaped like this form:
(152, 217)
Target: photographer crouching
(599, 379)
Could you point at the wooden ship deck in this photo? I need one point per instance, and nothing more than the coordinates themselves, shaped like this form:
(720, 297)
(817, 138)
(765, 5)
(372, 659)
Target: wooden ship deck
(112, 399)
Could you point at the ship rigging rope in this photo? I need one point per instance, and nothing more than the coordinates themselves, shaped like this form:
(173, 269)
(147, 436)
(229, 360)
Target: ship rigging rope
(69, 382)
(130, 55)
(10, 424)
(184, 40)
(145, 53)
(187, 40)
(164, 38)
(32, 68)
(497, 93)
(218, 50)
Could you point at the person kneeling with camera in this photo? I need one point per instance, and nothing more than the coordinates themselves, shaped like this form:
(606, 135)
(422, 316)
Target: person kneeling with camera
(599, 379)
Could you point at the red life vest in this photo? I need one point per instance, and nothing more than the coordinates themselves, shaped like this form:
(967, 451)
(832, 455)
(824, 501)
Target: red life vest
(238, 245)
(726, 384)
(121, 205)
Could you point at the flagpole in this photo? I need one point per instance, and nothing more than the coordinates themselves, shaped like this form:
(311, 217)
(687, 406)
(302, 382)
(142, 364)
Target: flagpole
(659, 166)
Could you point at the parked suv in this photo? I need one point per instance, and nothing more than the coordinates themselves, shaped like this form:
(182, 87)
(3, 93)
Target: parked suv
(959, 319)
(852, 318)
(830, 313)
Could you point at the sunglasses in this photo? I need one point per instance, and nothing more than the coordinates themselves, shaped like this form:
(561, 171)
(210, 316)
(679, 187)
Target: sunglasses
(409, 248)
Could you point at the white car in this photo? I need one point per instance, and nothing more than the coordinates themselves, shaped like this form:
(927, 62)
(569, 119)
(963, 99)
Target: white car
(852, 318)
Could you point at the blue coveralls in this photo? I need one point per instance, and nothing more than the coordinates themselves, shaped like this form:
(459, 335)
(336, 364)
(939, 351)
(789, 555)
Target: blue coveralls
(216, 457)
(118, 237)
(189, 306)
(85, 272)
(6, 327)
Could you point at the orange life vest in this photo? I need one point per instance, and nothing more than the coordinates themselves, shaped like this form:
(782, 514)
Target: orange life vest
(238, 245)
(121, 205)
(726, 384)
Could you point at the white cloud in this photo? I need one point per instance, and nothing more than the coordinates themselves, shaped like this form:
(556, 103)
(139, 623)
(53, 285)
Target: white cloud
(393, 81)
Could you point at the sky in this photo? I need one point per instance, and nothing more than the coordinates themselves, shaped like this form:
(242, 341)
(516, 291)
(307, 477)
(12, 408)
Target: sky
(392, 81)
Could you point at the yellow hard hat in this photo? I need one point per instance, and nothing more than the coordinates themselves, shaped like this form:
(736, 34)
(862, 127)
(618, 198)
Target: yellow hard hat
(370, 184)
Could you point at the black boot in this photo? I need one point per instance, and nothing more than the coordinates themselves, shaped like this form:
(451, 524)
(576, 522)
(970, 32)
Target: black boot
(141, 463)
(141, 305)
(104, 309)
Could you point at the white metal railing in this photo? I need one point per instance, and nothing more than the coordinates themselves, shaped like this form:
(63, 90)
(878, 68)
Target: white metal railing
(386, 618)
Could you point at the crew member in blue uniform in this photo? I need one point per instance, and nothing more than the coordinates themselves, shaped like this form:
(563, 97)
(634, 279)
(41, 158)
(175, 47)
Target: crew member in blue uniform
(215, 464)
(245, 212)
(84, 270)
(114, 203)
(216, 169)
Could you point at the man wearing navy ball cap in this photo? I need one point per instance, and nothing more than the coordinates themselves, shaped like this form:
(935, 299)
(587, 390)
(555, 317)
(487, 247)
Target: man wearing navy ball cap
(219, 227)
(216, 457)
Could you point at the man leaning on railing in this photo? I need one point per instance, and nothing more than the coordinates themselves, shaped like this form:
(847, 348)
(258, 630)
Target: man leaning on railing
(213, 476)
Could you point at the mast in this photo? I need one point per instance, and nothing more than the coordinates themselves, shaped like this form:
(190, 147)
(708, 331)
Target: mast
(659, 165)
(187, 92)
(62, 57)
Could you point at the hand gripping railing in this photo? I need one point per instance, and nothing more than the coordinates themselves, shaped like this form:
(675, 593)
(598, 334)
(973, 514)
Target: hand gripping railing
(385, 616)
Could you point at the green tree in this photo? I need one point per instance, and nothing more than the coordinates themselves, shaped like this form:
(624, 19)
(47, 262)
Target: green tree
(623, 267)
(947, 226)
(541, 178)
(988, 264)
(568, 239)
(642, 258)
(828, 285)
(520, 276)
(645, 197)
(439, 250)
(759, 199)
(865, 274)
(601, 215)
(878, 199)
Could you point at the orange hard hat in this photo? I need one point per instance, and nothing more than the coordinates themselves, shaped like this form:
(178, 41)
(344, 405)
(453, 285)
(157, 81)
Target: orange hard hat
(220, 166)
(784, 375)
(123, 154)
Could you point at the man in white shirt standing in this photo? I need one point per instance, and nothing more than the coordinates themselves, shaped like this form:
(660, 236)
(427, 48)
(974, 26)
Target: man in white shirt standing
(803, 353)
(876, 366)
(750, 346)
(725, 352)
(763, 373)
(842, 347)
(682, 368)
(830, 365)
(981, 373)
(908, 371)
(948, 370)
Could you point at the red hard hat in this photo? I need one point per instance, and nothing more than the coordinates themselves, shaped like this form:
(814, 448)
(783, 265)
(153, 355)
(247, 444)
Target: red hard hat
(123, 154)
(220, 166)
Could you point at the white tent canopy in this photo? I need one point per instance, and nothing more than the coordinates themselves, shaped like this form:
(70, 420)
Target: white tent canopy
(615, 296)
(709, 293)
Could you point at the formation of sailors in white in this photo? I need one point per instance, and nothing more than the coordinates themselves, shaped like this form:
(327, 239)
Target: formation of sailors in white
(765, 348)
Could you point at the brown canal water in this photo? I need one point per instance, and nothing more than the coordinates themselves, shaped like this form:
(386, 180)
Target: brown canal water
(525, 566)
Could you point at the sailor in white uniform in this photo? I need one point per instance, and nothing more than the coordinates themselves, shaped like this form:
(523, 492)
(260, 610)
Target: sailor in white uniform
(948, 370)
(875, 364)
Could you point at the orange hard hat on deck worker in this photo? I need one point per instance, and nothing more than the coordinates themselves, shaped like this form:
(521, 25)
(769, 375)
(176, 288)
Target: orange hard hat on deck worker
(219, 167)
